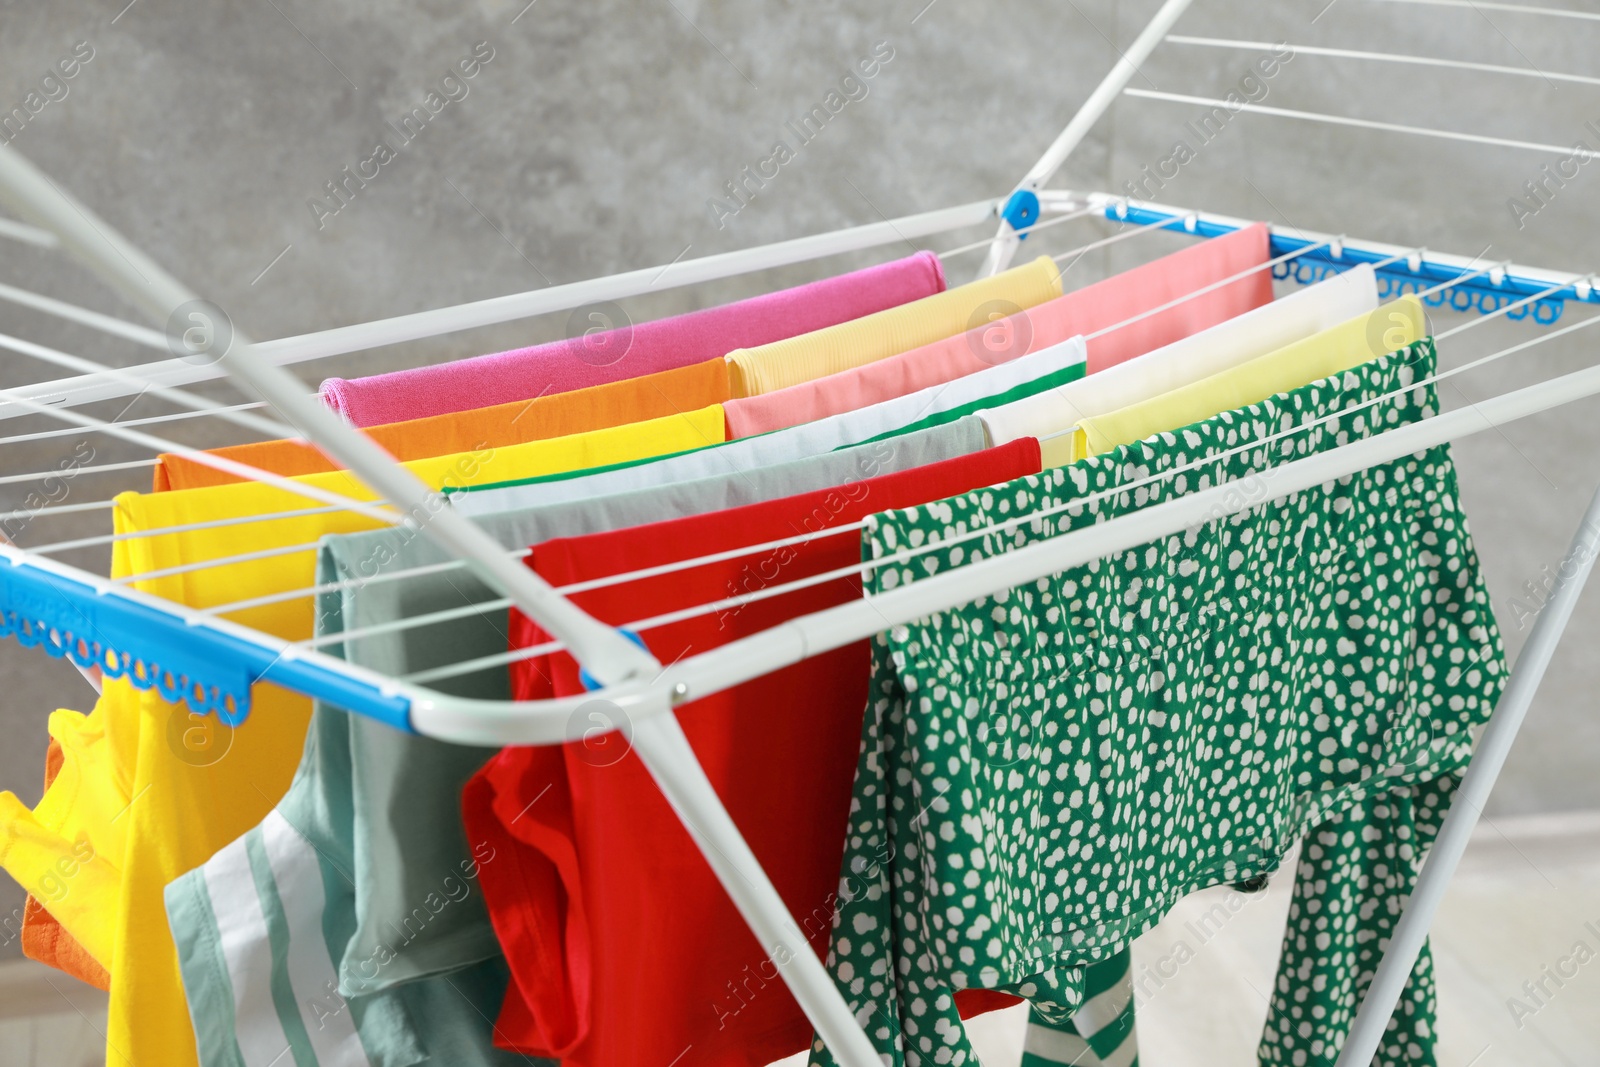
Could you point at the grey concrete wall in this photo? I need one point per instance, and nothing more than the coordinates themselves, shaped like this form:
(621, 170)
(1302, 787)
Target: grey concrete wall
(592, 140)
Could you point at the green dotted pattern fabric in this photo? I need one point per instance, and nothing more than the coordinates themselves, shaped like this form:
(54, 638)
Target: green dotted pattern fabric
(1044, 772)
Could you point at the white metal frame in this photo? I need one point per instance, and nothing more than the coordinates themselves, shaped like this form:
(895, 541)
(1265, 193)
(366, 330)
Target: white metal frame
(638, 687)
(17, 192)
(1007, 240)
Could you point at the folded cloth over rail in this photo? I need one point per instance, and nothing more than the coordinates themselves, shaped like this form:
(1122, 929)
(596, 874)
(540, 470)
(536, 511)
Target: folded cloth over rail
(1198, 276)
(1390, 328)
(597, 407)
(928, 407)
(629, 351)
(754, 370)
(1255, 333)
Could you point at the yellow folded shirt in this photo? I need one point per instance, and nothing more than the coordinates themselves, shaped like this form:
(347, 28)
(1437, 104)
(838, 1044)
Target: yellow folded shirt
(149, 790)
(1391, 327)
(76, 876)
(753, 371)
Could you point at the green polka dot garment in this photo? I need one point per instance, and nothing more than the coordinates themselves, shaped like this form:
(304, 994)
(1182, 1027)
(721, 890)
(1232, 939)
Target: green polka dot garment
(1044, 772)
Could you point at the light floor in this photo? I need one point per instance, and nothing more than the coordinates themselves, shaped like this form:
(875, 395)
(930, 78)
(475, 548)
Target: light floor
(1526, 898)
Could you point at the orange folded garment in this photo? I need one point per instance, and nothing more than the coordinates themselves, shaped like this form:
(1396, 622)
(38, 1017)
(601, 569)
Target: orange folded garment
(43, 938)
(598, 407)
(47, 941)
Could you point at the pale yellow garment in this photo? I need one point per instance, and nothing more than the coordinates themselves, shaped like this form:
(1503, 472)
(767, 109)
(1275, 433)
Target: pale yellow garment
(154, 790)
(752, 371)
(1391, 327)
(1062, 450)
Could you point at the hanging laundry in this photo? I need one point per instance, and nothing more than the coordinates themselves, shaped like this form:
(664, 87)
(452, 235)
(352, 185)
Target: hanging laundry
(1392, 327)
(624, 949)
(385, 803)
(1045, 771)
(444, 426)
(1099, 1033)
(369, 558)
(888, 333)
(915, 411)
(631, 351)
(1184, 276)
(43, 937)
(254, 926)
(136, 796)
(1296, 317)
(598, 407)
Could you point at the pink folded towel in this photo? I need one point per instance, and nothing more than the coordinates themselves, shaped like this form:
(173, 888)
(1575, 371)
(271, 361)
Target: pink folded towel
(1082, 311)
(1161, 281)
(629, 352)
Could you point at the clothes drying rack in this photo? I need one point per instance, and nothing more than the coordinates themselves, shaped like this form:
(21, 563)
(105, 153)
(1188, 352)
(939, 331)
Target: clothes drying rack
(94, 620)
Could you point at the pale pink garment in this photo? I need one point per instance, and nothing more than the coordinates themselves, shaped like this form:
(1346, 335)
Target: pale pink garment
(632, 351)
(1083, 311)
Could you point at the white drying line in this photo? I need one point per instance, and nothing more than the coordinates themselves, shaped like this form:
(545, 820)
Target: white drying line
(481, 663)
(1083, 250)
(1518, 9)
(57, 509)
(186, 527)
(1042, 224)
(110, 324)
(317, 589)
(1366, 124)
(345, 583)
(149, 420)
(488, 312)
(1524, 302)
(1381, 57)
(1268, 265)
(32, 235)
(73, 472)
(361, 507)
(903, 556)
(155, 339)
(181, 397)
(186, 568)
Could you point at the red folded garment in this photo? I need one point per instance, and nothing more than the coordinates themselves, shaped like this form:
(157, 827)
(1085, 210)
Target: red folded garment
(631, 351)
(624, 948)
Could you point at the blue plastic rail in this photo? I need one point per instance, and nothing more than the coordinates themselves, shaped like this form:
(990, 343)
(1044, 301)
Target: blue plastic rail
(1482, 293)
(206, 666)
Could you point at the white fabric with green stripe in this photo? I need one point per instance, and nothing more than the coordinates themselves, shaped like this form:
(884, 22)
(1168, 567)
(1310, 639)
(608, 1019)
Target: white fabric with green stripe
(262, 870)
(1100, 1033)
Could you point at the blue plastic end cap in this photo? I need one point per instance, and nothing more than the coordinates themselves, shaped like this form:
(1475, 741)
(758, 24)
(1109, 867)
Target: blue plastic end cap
(1021, 211)
(590, 682)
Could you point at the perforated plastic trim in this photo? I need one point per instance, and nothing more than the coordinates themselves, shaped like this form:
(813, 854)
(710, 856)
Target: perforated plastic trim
(209, 669)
